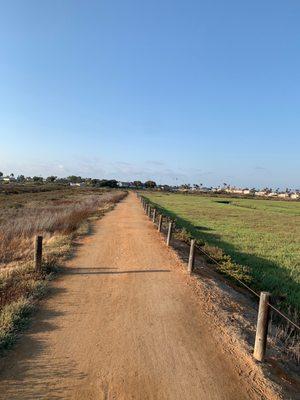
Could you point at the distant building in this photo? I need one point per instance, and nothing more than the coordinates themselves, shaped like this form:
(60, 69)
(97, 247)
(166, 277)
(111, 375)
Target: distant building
(164, 187)
(234, 190)
(284, 195)
(124, 184)
(79, 184)
(261, 193)
(295, 196)
(9, 179)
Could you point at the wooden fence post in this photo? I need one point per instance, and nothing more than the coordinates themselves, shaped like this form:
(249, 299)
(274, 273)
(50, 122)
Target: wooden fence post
(191, 256)
(38, 253)
(160, 223)
(149, 211)
(169, 233)
(262, 327)
(154, 215)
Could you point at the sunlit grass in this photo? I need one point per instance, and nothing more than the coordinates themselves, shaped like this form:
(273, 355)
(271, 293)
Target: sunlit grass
(263, 235)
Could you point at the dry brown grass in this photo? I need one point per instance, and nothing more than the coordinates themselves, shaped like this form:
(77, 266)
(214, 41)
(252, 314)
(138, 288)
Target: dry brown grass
(59, 217)
(18, 226)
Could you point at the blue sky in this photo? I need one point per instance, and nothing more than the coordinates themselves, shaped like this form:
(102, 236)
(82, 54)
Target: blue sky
(179, 91)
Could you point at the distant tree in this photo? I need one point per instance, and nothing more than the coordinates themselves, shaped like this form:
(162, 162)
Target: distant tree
(12, 175)
(185, 186)
(88, 181)
(137, 183)
(1, 174)
(95, 182)
(21, 178)
(150, 184)
(63, 181)
(37, 179)
(74, 179)
(101, 182)
(51, 178)
(112, 183)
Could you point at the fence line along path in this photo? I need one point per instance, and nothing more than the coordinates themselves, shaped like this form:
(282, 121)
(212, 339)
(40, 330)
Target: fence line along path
(122, 323)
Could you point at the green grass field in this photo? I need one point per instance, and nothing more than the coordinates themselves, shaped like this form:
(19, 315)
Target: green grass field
(263, 235)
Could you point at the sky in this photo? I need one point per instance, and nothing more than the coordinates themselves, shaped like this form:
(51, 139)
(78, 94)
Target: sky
(176, 91)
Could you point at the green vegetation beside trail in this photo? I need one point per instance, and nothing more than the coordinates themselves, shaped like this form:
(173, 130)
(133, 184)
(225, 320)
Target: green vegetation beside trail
(262, 235)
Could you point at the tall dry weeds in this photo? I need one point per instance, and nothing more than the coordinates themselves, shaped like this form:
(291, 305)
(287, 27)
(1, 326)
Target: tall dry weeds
(58, 220)
(19, 226)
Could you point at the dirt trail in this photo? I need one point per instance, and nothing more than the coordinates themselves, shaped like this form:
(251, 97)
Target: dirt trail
(121, 323)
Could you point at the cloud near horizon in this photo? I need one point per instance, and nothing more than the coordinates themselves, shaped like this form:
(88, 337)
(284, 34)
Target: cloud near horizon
(152, 169)
(96, 168)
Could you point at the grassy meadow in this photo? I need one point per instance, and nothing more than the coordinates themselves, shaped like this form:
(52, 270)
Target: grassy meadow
(262, 235)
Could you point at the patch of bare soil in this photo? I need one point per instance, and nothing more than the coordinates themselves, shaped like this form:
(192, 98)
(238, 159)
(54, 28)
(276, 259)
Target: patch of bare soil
(125, 322)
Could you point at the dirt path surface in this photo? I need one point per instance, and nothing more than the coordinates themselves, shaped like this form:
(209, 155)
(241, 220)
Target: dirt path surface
(121, 323)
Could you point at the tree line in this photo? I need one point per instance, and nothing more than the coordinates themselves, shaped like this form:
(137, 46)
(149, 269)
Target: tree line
(74, 179)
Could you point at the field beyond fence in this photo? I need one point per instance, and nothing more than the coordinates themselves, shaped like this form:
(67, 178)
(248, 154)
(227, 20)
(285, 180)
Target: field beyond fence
(252, 242)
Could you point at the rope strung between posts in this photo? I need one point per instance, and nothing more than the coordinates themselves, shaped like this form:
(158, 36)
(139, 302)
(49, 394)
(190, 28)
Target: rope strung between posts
(284, 316)
(251, 290)
(247, 287)
(220, 265)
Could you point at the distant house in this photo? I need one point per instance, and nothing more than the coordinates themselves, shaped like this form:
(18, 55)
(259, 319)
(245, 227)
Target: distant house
(237, 191)
(9, 179)
(183, 190)
(124, 184)
(284, 195)
(261, 193)
(79, 184)
(164, 187)
(234, 190)
(295, 196)
(246, 191)
(272, 194)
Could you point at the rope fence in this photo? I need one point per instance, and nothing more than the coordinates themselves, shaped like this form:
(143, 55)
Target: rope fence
(263, 317)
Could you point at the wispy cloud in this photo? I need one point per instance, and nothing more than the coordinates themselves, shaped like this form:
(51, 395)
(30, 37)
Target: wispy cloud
(95, 167)
(260, 168)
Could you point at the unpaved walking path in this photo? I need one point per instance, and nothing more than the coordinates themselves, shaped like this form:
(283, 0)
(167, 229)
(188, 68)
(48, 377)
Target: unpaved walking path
(121, 323)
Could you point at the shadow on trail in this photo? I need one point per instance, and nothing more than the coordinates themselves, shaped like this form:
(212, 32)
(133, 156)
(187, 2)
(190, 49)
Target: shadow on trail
(108, 271)
(24, 370)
